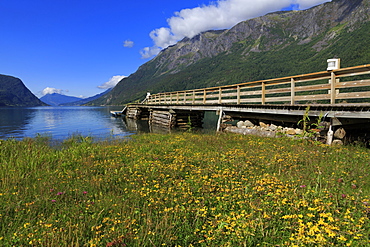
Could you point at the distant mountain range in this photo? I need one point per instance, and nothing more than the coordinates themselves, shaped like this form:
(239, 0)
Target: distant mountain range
(56, 99)
(13, 92)
(278, 44)
(86, 100)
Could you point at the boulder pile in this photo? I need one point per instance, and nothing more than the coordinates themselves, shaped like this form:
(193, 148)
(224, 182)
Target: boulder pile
(266, 130)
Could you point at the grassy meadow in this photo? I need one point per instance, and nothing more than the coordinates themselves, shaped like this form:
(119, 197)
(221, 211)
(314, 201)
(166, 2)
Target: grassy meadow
(183, 190)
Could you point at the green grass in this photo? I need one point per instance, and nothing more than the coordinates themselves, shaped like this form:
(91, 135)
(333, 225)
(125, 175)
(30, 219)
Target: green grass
(183, 190)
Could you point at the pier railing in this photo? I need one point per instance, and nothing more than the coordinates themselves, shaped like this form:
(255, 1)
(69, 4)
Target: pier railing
(347, 85)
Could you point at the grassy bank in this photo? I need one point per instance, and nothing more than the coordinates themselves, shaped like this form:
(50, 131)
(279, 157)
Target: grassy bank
(183, 190)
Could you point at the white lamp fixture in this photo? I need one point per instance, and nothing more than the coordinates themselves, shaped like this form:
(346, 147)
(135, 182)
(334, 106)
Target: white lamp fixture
(333, 64)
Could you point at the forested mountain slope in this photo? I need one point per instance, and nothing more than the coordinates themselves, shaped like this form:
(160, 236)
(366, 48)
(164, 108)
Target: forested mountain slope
(275, 45)
(14, 93)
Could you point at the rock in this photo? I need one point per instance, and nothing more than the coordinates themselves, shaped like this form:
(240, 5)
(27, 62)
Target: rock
(240, 124)
(290, 131)
(248, 123)
(273, 127)
(245, 131)
(337, 143)
(340, 133)
(299, 132)
(263, 125)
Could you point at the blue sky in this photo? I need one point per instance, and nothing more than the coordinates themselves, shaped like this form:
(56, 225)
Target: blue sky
(80, 47)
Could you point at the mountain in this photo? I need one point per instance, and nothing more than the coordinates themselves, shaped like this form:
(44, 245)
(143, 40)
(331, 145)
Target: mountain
(87, 100)
(275, 45)
(56, 99)
(14, 93)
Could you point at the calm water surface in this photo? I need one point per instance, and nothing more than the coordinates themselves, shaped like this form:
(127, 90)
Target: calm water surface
(63, 122)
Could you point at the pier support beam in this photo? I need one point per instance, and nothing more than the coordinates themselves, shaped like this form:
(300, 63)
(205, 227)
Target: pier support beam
(180, 118)
(133, 113)
(137, 113)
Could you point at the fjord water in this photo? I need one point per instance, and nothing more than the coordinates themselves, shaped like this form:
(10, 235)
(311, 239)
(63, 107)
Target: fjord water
(61, 123)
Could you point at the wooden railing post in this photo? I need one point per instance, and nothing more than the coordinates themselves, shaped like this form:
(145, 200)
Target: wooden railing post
(184, 97)
(263, 96)
(193, 98)
(219, 95)
(238, 95)
(292, 92)
(332, 88)
(177, 97)
(204, 96)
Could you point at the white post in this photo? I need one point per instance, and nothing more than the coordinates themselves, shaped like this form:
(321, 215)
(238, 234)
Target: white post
(329, 138)
(221, 112)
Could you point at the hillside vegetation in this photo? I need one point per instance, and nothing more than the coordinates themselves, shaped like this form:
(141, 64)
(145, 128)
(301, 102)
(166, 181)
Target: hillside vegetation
(14, 93)
(275, 45)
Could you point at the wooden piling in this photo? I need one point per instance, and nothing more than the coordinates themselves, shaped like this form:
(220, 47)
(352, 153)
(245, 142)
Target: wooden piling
(164, 118)
(133, 113)
(180, 119)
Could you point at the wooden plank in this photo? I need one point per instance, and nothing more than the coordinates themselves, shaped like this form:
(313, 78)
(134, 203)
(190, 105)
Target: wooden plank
(212, 101)
(251, 100)
(161, 116)
(259, 92)
(313, 79)
(347, 84)
(354, 95)
(313, 97)
(235, 94)
(277, 99)
(249, 85)
(227, 101)
(313, 87)
(299, 89)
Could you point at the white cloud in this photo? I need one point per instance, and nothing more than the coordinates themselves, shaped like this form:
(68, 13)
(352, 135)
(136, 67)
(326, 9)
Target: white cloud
(217, 15)
(305, 4)
(128, 43)
(148, 52)
(112, 82)
(50, 90)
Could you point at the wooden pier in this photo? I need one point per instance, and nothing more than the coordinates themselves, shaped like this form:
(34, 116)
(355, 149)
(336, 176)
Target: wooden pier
(340, 96)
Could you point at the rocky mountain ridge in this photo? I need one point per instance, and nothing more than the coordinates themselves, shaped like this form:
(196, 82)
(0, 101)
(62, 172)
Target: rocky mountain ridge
(276, 28)
(275, 45)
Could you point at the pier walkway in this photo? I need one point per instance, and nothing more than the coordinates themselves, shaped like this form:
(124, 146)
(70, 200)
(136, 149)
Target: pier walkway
(339, 96)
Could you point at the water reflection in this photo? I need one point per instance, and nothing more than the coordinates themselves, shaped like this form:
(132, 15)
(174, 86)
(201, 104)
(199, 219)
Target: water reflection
(61, 122)
(13, 121)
